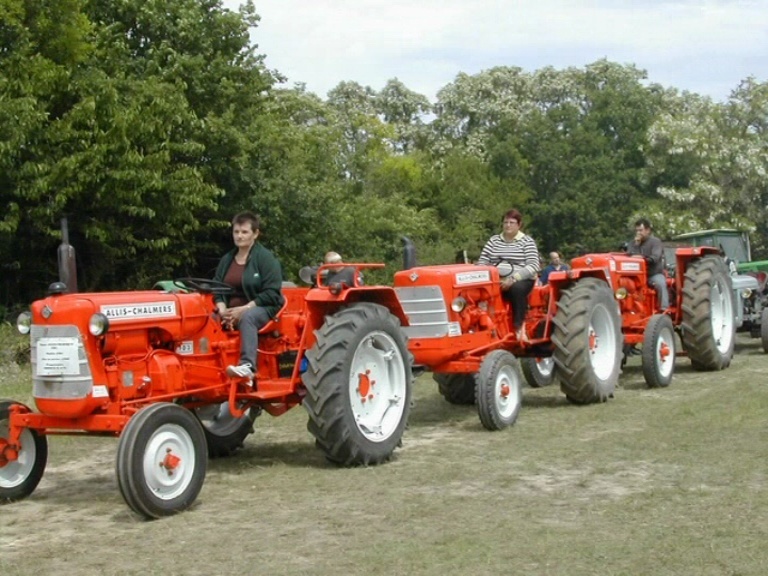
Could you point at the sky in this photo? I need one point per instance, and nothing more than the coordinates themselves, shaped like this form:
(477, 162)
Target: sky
(703, 46)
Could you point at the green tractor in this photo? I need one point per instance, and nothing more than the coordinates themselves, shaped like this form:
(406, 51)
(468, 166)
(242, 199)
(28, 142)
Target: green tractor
(748, 276)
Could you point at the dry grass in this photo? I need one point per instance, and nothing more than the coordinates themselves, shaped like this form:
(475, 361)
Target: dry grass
(662, 482)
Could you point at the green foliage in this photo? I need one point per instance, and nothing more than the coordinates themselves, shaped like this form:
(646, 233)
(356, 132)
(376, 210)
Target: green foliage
(149, 124)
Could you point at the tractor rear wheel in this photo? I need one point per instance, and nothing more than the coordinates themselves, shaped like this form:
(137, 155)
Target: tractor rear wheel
(161, 460)
(224, 433)
(456, 388)
(499, 390)
(764, 329)
(359, 385)
(708, 327)
(658, 351)
(20, 477)
(538, 372)
(587, 341)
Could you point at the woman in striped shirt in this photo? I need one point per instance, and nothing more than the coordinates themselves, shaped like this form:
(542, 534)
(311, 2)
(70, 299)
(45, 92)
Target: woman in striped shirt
(519, 250)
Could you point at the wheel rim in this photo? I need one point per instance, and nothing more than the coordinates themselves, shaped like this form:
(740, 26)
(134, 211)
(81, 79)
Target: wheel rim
(721, 316)
(217, 419)
(169, 461)
(377, 386)
(602, 342)
(506, 389)
(15, 472)
(545, 366)
(665, 353)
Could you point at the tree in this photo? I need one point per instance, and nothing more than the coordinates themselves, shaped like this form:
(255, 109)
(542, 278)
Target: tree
(709, 162)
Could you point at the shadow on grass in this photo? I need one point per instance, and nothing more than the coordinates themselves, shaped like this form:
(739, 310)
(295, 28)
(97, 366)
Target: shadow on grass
(548, 397)
(434, 410)
(293, 453)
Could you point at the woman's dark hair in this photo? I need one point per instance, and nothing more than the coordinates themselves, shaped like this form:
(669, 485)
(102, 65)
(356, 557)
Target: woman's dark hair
(243, 217)
(513, 214)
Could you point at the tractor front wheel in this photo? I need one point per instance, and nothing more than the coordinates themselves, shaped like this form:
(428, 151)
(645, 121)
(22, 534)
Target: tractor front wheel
(499, 390)
(658, 351)
(538, 372)
(456, 388)
(708, 326)
(161, 460)
(224, 433)
(20, 477)
(587, 341)
(359, 384)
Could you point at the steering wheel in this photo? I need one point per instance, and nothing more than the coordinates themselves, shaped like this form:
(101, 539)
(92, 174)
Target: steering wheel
(204, 285)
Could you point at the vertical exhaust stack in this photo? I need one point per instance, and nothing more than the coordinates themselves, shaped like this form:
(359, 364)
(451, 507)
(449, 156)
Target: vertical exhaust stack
(67, 262)
(409, 253)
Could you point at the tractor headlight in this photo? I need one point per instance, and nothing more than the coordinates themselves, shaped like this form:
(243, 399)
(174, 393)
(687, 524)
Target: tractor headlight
(746, 293)
(98, 324)
(24, 323)
(458, 304)
(621, 293)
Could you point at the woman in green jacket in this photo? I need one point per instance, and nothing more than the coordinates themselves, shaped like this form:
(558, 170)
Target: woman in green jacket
(255, 275)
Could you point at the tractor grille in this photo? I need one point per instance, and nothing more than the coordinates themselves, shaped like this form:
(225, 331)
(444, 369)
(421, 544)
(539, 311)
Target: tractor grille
(59, 365)
(426, 311)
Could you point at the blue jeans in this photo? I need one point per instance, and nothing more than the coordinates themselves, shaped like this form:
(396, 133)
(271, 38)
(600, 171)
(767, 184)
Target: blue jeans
(659, 283)
(251, 322)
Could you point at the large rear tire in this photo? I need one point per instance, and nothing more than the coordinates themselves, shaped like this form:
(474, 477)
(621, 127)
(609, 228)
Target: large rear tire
(456, 388)
(499, 390)
(538, 372)
(161, 460)
(659, 351)
(224, 434)
(20, 477)
(587, 341)
(359, 384)
(764, 329)
(708, 326)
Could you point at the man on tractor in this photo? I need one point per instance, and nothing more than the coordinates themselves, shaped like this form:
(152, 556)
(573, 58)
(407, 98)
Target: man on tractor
(648, 246)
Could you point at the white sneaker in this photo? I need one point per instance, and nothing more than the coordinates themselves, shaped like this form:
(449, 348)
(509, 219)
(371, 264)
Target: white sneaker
(241, 371)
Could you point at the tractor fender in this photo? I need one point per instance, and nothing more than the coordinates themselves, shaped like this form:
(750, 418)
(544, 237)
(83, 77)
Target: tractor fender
(559, 281)
(322, 302)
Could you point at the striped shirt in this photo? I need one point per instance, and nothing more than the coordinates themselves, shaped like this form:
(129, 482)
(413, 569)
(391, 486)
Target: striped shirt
(521, 252)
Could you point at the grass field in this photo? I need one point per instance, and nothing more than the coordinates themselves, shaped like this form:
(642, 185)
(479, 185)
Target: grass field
(660, 482)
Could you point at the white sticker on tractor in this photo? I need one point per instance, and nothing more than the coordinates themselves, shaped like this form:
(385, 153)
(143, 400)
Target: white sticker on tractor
(99, 391)
(186, 347)
(454, 329)
(139, 311)
(630, 266)
(473, 277)
(57, 356)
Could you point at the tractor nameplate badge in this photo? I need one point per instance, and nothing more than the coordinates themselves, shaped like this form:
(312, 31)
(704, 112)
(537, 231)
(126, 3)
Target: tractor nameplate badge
(630, 266)
(139, 311)
(473, 277)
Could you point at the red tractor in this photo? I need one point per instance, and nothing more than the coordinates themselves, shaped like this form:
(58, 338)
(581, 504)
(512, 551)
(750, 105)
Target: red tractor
(149, 368)
(701, 310)
(459, 327)
(581, 324)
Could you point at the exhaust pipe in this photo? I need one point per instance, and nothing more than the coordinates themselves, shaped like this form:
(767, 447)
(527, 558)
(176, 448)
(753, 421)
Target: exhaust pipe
(67, 262)
(409, 253)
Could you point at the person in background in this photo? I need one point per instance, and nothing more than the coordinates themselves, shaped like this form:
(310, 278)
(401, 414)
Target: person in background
(648, 246)
(518, 249)
(555, 265)
(255, 276)
(340, 273)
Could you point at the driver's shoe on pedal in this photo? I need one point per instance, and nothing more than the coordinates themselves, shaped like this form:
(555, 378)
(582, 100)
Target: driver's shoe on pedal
(244, 370)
